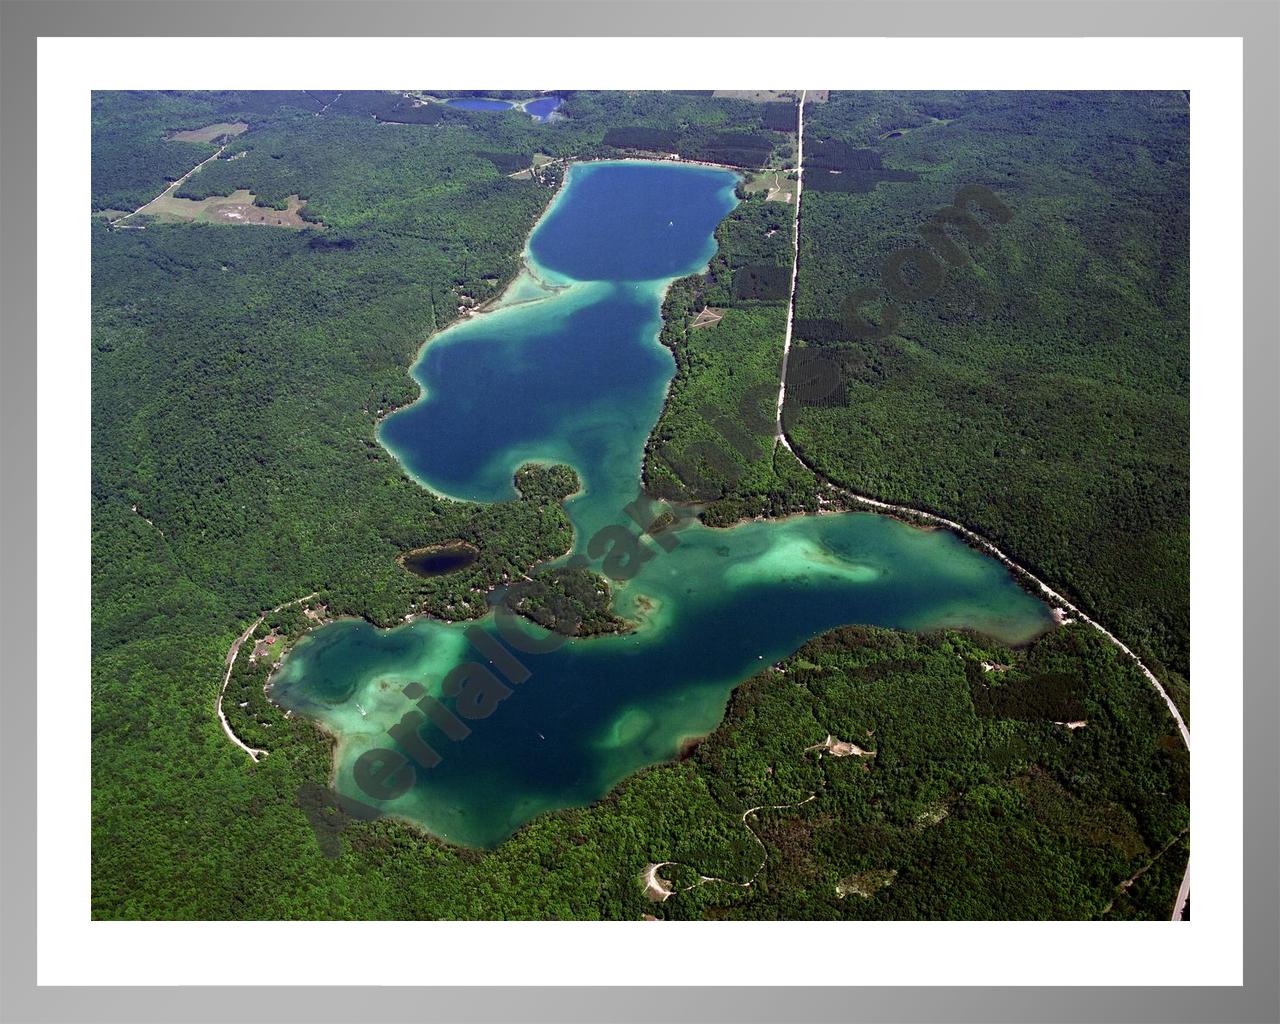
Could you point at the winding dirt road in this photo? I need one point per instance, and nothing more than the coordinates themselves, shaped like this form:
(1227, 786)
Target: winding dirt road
(659, 889)
(168, 191)
(253, 752)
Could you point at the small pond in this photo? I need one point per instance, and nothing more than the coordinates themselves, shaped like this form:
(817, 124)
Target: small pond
(440, 559)
(540, 109)
(479, 103)
(543, 107)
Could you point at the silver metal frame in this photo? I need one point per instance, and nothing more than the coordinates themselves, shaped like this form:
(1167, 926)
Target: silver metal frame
(1258, 23)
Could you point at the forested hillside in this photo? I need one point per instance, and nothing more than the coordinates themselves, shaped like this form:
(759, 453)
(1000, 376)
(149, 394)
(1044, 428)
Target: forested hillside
(1025, 371)
(238, 376)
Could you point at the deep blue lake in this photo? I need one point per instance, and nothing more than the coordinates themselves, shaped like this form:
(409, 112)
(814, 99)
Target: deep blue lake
(573, 373)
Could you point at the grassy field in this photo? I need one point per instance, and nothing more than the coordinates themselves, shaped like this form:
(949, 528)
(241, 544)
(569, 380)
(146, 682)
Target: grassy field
(237, 208)
(778, 186)
(773, 95)
(210, 133)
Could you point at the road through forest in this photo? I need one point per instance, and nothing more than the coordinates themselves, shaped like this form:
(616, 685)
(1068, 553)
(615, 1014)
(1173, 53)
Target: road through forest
(984, 544)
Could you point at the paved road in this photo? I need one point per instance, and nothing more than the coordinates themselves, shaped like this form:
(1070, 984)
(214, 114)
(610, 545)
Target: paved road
(1184, 889)
(795, 265)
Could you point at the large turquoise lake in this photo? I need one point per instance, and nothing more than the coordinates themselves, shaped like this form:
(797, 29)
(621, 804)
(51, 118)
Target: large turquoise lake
(569, 369)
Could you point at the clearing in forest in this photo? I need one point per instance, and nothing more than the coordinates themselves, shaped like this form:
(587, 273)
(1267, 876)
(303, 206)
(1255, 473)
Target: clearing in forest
(210, 133)
(237, 208)
(710, 315)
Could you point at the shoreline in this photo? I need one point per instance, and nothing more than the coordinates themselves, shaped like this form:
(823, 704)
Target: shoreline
(529, 264)
(232, 654)
(485, 308)
(1051, 597)
(555, 289)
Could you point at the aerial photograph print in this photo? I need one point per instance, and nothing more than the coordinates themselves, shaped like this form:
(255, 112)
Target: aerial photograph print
(640, 505)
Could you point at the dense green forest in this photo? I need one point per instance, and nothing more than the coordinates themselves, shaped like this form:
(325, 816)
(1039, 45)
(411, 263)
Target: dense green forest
(238, 376)
(1028, 376)
(966, 812)
(714, 443)
(346, 146)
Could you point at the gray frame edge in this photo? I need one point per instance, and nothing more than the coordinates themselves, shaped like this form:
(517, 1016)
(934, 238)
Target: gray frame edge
(1256, 21)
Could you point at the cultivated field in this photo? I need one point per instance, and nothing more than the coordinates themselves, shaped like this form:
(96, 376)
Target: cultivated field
(237, 208)
(778, 186)
(758, 95)
(210, 133)
(773, 95)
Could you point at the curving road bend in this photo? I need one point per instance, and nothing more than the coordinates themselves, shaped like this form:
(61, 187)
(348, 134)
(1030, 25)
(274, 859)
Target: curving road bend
(1185, 888)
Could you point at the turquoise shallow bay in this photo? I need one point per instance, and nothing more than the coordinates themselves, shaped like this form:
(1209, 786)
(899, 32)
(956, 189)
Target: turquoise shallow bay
(576, 375)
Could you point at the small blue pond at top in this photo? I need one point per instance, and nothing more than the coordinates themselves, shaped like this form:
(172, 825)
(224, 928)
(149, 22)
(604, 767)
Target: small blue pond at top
(543, 107)
(539, 109)
(478, 103)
